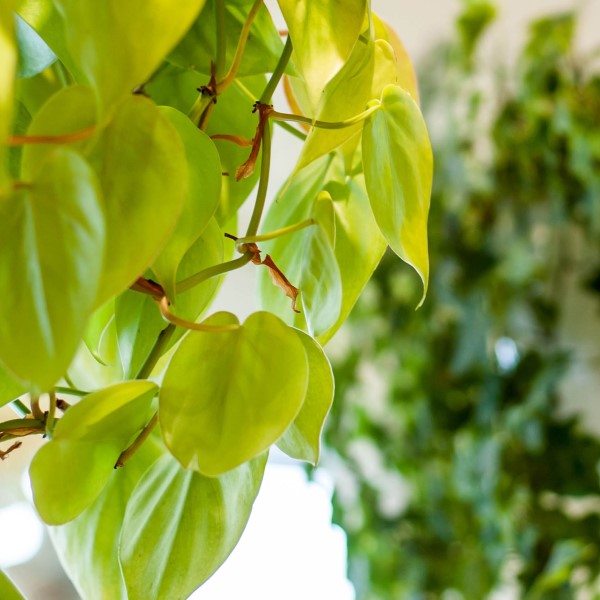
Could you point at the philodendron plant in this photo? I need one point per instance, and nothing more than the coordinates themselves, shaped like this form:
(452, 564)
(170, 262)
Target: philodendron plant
(132, 132)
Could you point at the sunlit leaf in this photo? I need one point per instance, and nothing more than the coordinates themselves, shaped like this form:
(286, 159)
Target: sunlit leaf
(398, 166)
(8, 52)
(141, 212)
(34, 53)
(8, 590)
(323, 33)
(198, 48)
(203, 192)
(87, 442)
(88, 546)
(70, 110)
(302, 440)
(227, 396)
(54, 228)
(117, 46)
(180, 526)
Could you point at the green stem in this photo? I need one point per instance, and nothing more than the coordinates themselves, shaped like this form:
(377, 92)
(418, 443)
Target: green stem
(20, 408)
(193, 280)
(291, 129)
(161, 341)
(263, 184)
(241, 47)
(221, 38)
(139, 440)
(16, 424)
(70, 391)
(246, 91)
(203, 101)
(277, 73)
(278, 116)
(272, 235)
(35, 408)
(50, 416)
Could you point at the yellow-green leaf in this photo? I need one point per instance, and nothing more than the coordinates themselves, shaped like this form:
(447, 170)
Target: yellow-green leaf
(398, 165)
(227, 396)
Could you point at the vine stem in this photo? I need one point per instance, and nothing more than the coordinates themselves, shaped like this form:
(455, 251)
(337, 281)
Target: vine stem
(241, 47)
(19, 408)
(65, 138)
(221, 37)
(161, 341)
(277, 73)
(263, 185)
(139, 440)
(50, 416)
(35, 408)
(279, 116)
(272, 235)
(193, 280)
(70, 391)
(175, 320)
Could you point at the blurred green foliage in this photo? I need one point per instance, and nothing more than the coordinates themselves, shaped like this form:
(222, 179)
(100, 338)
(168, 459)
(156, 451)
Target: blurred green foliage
(456, 473)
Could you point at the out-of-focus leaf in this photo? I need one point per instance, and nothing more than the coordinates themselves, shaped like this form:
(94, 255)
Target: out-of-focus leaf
(34, 53)
(54, 227)
(227, 396)
(8, 590)
(398, 165)
(8, 51)
(180, 526)
(117, 46)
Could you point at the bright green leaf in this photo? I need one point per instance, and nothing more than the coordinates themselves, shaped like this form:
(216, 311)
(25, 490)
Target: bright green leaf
(86, 443)
(88, 546)
(34, 53)
(8, 590)
(8, 52)
(323, 32)
(118, 45)
(70, 110)
(203, 192)
(181, 526)
(302, 440)
(54, 228)
(226, 397)
(198, 48)
(398, 166)
(141, 212)
(9, 388)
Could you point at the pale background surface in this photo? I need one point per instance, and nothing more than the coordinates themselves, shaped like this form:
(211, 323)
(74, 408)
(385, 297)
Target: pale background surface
(290, 550)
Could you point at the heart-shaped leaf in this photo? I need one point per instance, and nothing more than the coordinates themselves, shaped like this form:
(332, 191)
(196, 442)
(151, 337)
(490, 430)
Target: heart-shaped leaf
(398, 164)
(323, 32)
(118, 45)
(87, 442)
(227, 396)
(180, 526)
(302, 440)
(202, 199)
(141, 212)
(53, 231)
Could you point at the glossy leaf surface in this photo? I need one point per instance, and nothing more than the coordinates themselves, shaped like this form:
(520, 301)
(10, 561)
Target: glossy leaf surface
(302, 440)
(398, 172)
(202, 198)
(227, 396)
(321, 50)
(141, 212)
(54, 227)
(86, 443)
(88, 546)
(134, 36)
(180, 526)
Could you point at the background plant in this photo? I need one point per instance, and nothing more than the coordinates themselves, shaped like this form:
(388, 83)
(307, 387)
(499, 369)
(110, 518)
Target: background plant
(455, 470)
(132, 134)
